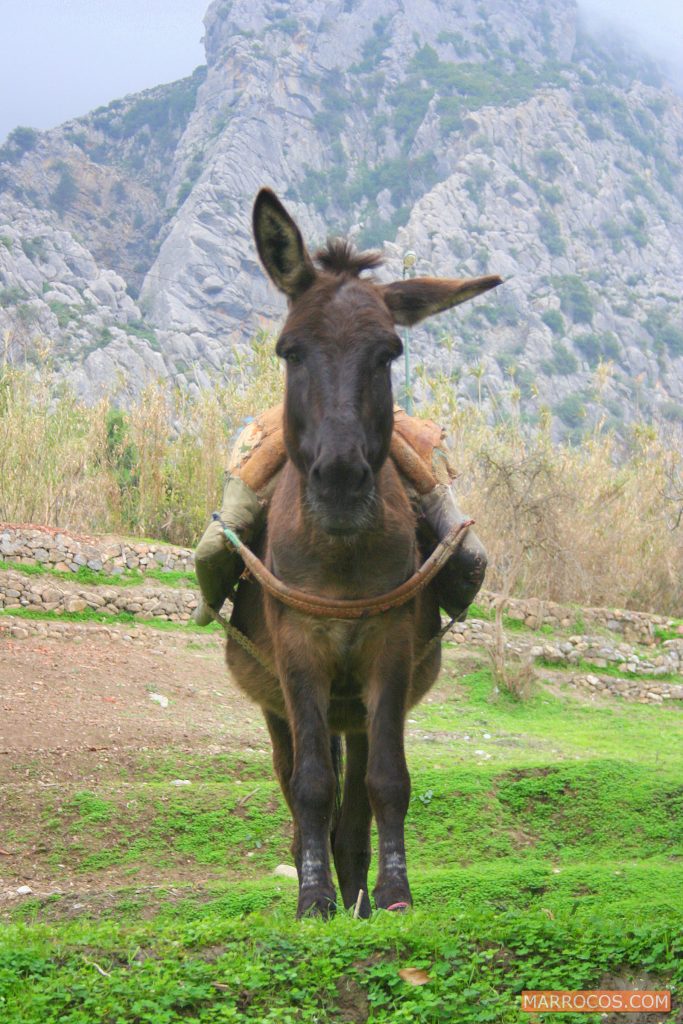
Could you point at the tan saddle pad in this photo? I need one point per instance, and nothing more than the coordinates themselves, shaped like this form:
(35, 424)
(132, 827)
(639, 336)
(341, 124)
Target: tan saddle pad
(417, 448)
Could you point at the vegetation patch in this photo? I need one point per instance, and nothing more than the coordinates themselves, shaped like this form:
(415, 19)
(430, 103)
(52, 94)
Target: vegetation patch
(96, 578)
(104, 619)
(548, 866)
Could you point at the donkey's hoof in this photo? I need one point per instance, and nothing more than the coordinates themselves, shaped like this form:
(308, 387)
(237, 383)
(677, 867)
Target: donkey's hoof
(312, 905)
(396, 902)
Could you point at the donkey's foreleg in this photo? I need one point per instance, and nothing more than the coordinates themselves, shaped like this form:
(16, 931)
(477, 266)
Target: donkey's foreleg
(312, 785)
(388, 780)
(283, 763)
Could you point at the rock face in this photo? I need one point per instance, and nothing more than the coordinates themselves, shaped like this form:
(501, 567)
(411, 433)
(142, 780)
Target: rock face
(493, 138)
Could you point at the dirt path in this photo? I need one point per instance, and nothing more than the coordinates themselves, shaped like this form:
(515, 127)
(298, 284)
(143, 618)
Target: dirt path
(87, 694)
(77, 711)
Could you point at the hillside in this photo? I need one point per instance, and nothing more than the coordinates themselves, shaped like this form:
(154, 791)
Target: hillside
(495, 138)
(143, 825)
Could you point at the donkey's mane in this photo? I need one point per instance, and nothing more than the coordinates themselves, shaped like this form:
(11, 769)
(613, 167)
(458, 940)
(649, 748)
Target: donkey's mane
(340, 257)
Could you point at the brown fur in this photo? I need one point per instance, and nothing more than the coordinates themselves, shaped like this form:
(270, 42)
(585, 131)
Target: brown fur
(339, 525)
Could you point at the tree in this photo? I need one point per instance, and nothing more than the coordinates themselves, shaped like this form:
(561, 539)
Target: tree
(65, 192)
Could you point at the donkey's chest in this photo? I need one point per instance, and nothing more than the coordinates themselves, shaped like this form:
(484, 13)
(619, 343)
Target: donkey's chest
(348, 651)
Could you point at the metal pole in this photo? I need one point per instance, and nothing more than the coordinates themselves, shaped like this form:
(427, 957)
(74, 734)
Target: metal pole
(409, 259)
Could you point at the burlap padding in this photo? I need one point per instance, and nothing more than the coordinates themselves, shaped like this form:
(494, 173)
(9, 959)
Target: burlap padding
(417, 448)
(260, 449)
(419, 452)
(422, 435)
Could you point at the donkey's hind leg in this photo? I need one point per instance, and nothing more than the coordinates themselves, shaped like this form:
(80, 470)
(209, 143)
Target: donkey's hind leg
(351, 838)
(283, 763)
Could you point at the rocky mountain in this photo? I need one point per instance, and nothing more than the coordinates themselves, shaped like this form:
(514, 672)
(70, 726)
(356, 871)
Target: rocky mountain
(487, 138)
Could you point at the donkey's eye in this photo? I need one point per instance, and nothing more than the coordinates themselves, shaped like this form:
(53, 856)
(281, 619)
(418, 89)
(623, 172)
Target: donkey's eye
(293, 358)
(386, 359)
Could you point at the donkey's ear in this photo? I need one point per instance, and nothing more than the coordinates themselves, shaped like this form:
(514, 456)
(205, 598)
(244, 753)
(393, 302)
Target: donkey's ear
(414, 299)
(281, 246)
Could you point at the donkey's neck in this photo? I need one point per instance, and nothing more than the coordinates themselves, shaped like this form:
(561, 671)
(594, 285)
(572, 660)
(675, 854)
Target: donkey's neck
(370, 562)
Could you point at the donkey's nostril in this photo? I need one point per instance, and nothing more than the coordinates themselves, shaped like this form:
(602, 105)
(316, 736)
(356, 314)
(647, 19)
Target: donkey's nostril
(365, 479)
(338, 479)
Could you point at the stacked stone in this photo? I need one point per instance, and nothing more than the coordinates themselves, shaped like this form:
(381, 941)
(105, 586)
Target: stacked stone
(60, 550)
(636, 627)
(630, 689)
(601, 654)
(21, 629)
(172, 604)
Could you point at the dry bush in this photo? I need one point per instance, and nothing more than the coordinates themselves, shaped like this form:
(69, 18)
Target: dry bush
(154, 469)
(52, 455)
(592, 524)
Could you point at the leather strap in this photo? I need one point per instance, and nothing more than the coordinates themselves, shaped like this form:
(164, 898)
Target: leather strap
(334, 608)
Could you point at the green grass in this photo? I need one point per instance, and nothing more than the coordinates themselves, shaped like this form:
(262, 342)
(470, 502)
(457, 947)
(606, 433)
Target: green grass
(555, 861)
(91, 577)
(672, 632)
(103, 618)
(545, 729)
(512, 624)
(217, 966)
(611, 669)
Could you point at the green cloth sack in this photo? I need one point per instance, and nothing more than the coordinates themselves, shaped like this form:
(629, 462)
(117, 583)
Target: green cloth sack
(217, 565)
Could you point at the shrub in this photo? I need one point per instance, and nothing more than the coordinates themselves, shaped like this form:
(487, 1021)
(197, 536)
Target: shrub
(551, 161)
(553, 319)
(571, 410)
(664, 334)
(183, 192)
(575, 298)
(594, 130)
(552, 194)
(636, 227)
(34, 248)
(550, 233)
(11, 295)
(564, 361)
(65, 192)
(156, 470)
(672, 336)
(21, 140)
(64, 312)
(24, 139)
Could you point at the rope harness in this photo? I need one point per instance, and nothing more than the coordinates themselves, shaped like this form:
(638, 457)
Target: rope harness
(334, 608)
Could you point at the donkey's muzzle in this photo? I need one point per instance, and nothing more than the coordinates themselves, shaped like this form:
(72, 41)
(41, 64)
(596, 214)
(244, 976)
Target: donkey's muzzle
(340, 492)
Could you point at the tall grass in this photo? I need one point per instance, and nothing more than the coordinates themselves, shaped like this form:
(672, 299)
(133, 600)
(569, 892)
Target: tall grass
(153, 470)
(591, 524)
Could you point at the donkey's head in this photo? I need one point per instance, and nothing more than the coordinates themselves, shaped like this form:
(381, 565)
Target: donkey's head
(338, 343)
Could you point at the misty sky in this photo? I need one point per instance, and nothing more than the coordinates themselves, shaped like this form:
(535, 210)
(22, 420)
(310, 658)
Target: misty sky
(62, 58)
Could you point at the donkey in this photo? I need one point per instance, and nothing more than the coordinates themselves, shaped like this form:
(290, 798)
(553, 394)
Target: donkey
(340, 525)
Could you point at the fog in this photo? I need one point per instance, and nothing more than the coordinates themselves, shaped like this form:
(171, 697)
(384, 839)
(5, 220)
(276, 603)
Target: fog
(62, 59)
(655, 27)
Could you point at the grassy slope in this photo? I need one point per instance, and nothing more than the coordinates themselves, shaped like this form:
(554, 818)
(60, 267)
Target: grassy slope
(92, 578)
(545, 849)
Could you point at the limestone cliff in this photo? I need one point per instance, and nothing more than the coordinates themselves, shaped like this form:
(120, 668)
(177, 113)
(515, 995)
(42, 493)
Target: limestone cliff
(492, 137)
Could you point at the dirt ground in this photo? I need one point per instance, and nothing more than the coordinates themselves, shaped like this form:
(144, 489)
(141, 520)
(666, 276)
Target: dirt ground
(77, 713)
(86, 694)
(75, 710)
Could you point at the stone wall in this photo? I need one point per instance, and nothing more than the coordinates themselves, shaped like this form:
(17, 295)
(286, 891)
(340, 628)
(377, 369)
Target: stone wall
(59, 549)
(630, 689)
(636, 627)
(641, 668)
(60, 629)
(48, 594)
